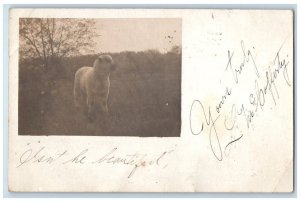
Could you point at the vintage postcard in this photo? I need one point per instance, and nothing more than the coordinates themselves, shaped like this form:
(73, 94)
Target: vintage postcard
(151, 100)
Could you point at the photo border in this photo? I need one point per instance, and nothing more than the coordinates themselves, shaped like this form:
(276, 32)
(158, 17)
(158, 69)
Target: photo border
(7, 194)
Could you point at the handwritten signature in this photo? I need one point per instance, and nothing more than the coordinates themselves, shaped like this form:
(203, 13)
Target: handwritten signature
(264, 84)
(135, 160)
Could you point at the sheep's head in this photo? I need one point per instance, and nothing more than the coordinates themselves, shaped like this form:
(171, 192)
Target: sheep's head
(104, 64)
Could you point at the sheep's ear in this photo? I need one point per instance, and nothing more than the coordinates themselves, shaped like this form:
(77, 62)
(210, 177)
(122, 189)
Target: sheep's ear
(95, 63)
(100, 59)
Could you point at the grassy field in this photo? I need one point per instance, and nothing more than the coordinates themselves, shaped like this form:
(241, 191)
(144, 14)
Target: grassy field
(145, 97)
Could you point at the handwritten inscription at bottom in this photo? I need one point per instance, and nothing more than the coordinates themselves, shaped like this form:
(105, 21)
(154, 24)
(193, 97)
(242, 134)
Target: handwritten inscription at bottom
(85, 156)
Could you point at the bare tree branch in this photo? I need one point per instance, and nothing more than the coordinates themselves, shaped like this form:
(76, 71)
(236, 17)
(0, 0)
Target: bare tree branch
(56, 38)
(33, 44)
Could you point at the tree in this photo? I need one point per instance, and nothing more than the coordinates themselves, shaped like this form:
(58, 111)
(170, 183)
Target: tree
(47, 40)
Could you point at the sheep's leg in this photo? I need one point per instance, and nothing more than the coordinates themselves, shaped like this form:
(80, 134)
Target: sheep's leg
(102, 122)
(91, 113)
(77, 94)
(105, 105)
(105, 108)
(77, 101)
(91, 108)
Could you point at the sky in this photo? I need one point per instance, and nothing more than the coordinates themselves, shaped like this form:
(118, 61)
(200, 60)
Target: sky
(117, 35)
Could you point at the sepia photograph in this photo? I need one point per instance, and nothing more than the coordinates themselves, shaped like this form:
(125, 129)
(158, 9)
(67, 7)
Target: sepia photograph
(106, 77)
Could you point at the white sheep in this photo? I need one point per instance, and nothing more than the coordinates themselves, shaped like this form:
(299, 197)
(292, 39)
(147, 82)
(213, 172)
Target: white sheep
(91, 86)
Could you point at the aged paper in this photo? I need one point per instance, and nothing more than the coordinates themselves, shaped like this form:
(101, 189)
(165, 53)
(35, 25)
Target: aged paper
(160, 100)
